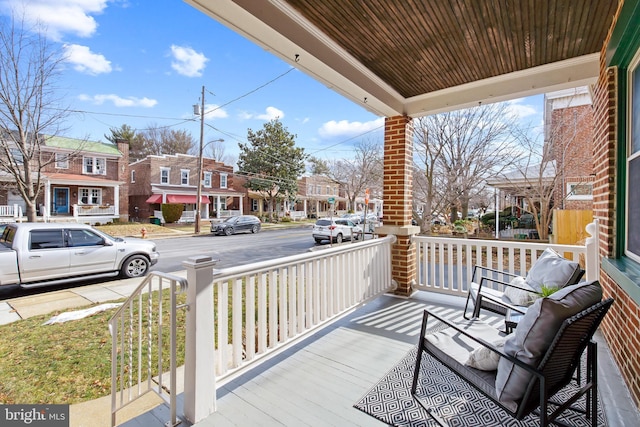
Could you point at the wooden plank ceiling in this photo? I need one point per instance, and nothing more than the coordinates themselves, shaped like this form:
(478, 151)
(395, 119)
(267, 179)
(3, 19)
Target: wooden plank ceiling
(397, 51)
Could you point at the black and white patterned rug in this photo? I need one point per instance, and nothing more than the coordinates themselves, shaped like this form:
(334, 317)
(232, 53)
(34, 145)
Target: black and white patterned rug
(453, 400)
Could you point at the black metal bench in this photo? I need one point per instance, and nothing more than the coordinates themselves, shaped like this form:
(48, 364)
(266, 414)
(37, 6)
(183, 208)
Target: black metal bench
(553, 372)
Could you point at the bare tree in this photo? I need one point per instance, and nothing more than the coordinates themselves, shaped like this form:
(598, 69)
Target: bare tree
(30, 111)
(216, 150)
(159, 140)
(363, 171)
(457, 151)
(539, 178)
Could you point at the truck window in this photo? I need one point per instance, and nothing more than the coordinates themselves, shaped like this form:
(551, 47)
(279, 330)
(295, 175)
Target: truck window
(84, 238)
(46, 239)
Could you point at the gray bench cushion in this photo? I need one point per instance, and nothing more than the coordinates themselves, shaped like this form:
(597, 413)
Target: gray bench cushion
(535, 332)
(453, 348)
(552, 270)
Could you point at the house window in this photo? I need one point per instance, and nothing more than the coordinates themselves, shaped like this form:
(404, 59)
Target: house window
(94, 165)
(184, 177)
(633, 161)
(62, 161)
(310, 189)
(207, 179)
(90, 196)
(133, 176)
(580, 191)
(254, 205)
(223, 180)
(164, 175)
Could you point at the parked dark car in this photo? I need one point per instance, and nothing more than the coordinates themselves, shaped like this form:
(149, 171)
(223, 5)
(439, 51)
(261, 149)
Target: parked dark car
(234, 224)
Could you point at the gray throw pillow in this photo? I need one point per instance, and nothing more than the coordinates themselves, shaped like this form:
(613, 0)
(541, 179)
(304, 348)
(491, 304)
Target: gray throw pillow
(552, 270)
(535, 332)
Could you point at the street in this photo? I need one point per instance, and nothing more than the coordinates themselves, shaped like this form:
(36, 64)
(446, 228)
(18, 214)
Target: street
(237, 249)
(231, 250)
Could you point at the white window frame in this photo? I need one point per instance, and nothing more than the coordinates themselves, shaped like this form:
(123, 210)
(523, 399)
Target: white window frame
(254, 205)
(223, 180)
(62, 161)
(165, 179)
(93, 196)
(94, 165)
(631, 155)
(208, 177)
(133, 176)
(571, 196)
(184, 176)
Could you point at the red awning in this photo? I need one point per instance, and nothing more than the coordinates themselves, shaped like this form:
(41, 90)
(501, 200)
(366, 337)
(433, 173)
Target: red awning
(186, 198)
(156, 198)
(177, 198)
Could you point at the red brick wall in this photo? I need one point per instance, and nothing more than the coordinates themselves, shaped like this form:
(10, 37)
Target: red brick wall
(573, 132)
(621, 327)
(398, 181)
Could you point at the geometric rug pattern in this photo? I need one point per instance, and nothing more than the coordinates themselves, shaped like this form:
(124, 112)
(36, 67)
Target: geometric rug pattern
(452, 400)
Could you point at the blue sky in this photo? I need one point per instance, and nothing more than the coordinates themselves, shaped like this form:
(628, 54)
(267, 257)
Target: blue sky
(145, 62)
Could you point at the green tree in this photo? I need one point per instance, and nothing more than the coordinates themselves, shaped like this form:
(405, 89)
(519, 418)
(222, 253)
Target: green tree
(272, 163)
(136, 142)
(318, 166)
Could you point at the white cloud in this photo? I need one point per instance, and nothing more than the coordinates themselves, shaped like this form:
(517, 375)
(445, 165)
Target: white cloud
(345, 128)
(187, 61)
(58, 16)
(212, 111)
(270, 113)
(521, 110)
(85, 61)
(118, 101)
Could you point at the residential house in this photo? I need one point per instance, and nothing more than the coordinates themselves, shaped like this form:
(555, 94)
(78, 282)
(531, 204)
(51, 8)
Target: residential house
(82, 180)
(315, 193)
(156, 180)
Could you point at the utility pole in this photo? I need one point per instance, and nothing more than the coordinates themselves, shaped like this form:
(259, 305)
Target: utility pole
(199, 191)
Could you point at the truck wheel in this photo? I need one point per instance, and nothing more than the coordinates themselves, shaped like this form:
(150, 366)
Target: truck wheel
(135, 266)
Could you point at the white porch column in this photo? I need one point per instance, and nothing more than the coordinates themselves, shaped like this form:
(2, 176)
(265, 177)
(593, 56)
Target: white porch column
(47, 200)
(592, 258)
(116, 200)
(218, 206)
(199, 360)
(241, 205)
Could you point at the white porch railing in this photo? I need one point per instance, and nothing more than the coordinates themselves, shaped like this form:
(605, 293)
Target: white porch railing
(140, 353)
(11, 211)
(227, 213)
(93, 210)
(263, 308)
(445, 264)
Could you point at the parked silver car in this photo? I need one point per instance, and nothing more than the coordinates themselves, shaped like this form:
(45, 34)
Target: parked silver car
(335, 229)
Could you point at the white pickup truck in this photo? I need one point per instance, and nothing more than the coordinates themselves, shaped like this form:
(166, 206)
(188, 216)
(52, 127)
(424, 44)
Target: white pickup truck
(42, 254)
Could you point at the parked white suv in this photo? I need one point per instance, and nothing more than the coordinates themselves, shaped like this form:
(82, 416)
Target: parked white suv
(336, 230)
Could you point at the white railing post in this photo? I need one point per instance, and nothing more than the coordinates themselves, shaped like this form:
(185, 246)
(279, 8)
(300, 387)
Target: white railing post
(76, 214)
(199, 363)
(592, 258)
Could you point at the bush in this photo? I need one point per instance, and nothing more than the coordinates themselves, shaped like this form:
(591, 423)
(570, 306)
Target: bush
(172, 212)
(285, 219)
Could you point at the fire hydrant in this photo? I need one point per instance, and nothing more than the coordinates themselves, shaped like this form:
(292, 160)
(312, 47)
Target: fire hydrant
(143, 232)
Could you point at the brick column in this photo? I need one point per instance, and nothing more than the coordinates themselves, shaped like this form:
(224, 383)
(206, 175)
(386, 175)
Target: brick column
(398, 199)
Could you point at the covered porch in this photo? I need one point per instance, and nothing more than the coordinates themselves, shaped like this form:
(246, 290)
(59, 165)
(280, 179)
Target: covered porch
(403, 60)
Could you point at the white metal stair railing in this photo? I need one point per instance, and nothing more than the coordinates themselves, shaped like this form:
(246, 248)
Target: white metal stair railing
(138, 332)
(445, 264)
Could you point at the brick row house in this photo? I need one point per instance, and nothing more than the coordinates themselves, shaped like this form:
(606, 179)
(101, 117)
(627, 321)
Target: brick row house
(156, 180)
(81, 180)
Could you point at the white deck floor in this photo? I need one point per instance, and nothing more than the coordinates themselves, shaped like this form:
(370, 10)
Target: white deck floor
(316, 382)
